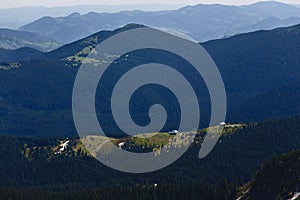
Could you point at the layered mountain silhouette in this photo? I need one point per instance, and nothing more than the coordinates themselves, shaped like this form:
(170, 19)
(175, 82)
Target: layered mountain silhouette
(260, 71)
(15, 17)
(201, 22)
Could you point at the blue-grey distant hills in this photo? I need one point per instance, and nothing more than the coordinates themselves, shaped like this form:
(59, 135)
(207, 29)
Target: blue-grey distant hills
(272, 8)
(201, 22)
(15, 17)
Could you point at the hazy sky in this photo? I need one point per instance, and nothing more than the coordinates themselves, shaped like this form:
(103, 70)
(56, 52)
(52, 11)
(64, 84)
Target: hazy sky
(54, 3)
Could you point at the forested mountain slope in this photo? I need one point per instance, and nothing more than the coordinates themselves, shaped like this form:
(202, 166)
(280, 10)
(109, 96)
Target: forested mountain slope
(260, 71)
(31, 166)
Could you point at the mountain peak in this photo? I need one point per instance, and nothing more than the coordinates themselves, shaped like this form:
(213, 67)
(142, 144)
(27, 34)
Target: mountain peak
(131, 26)
(277, 3)
(75, 14)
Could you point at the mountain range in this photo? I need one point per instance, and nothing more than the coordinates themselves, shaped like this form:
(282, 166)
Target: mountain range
(13, 18)
(201, 22)
(260, 73)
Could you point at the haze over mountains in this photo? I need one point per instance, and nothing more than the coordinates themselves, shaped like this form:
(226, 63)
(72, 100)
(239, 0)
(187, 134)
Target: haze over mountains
(201, 22)
(15, 17)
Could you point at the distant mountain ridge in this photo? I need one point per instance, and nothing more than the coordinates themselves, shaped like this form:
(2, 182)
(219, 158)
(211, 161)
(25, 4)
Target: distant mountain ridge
(272, 8)
(12, 39)
(13, 18)
(201, 22)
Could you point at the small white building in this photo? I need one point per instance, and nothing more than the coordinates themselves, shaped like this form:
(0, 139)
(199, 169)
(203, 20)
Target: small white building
(174, 132)
(122, 144)
(222, 124)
